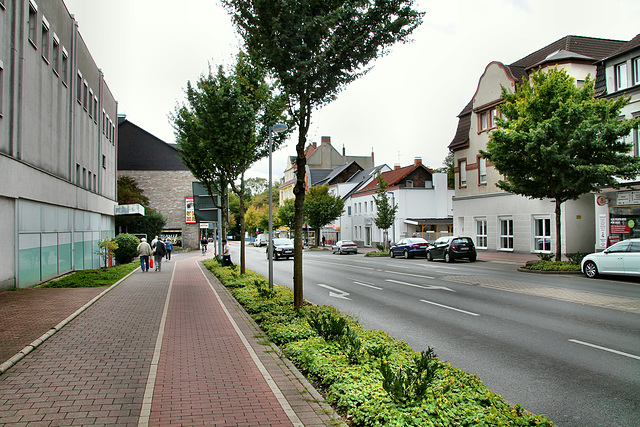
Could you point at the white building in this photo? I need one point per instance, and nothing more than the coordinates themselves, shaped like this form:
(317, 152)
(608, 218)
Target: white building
(57, 146)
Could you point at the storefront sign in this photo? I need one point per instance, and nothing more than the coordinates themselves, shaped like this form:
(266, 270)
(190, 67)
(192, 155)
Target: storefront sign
(190, 211)
(628, 198)
(620, 226)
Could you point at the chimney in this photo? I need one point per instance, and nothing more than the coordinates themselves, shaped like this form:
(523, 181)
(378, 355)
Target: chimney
(373, 162)
(315, 145)
(344, 151)
(326, 139)
(417, 161)
(396, 166)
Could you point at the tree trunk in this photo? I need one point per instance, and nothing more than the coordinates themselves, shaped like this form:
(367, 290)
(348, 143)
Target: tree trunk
(299, 189)
(242, 226)
(558, 231)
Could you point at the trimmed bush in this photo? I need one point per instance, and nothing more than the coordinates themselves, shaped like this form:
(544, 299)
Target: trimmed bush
(127, 248)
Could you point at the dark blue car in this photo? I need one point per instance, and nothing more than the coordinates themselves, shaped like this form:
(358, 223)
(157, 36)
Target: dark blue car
(409, 248)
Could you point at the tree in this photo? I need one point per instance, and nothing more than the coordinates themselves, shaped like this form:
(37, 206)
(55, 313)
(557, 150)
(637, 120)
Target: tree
(256, 186)
(321, 208)
(448, 168)
(386, 212)
(286, 213)
(556, 141)
(314, 49)
(225, 128)
(129, 193)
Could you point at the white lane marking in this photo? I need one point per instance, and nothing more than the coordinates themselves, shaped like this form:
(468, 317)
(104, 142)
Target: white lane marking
(420, 286)
(336, 293)
(368, 285)
(610, 350)
(449, 308)
(409, 274)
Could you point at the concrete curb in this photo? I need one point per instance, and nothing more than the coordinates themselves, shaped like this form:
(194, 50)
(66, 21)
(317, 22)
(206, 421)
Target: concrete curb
(36, 343)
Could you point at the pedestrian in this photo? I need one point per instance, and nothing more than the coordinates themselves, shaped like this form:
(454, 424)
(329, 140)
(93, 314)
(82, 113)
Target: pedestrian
(169, 247)
(145, 251)
(323, 240)
(226, 254)
(158, 253)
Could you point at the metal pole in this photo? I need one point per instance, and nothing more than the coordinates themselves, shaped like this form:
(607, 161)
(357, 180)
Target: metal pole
(270, 243)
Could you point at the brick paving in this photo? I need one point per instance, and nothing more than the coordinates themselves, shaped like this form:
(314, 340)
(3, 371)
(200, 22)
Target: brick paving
(167, 348)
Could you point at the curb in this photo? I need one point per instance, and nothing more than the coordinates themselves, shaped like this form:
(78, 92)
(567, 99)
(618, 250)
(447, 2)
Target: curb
(36, 343)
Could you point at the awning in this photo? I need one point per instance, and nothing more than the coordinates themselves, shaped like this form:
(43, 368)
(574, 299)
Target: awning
(429, 221)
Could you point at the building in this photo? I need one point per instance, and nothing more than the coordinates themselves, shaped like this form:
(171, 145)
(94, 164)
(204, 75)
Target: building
(618, 211)
(58, 144)
(424, 202)
(319, 157)
(498, 220)
(165, 180)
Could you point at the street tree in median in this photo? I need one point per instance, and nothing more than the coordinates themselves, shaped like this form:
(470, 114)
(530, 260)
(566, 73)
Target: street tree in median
(556, 141)
(224, 129)
(386, 213)
(315, 49)
(321, 207)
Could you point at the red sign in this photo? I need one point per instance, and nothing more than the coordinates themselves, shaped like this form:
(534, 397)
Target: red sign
(620, 229)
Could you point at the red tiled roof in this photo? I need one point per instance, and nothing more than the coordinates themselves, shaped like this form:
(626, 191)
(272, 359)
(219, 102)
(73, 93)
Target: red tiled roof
(392, 177)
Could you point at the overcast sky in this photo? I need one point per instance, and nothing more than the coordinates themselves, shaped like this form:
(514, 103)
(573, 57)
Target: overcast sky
(405, 107)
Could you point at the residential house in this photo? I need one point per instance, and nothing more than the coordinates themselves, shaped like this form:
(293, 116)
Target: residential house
(618, 211)
(502, 221)
(424, 206)
(57, 146)
(165, 180)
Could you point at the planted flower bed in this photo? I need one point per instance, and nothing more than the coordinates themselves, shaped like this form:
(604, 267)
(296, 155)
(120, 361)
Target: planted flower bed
(370, 378)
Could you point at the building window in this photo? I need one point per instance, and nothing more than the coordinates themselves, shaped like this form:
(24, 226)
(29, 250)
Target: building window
(635, 65)
(44, 42)
(64, 69)
(463, 173)
(85, 94)
(79, 87)
(482, 170)
(483, 121)
(494, 116)
(348, 210)
(428, 184)
(90, 103)
(55, 57)
(542, 234)
(95, 109)
(1, 86)
(409, 183)
(506, 234)
(481, 233)
(33, 22)
(621, 76)
(78, 174)
(104, 161)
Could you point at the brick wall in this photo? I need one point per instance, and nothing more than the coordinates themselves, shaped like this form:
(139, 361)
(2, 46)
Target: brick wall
(166, 191)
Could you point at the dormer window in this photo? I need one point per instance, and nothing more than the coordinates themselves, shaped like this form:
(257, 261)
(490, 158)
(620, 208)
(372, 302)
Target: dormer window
(635, 65)
(409, 183)
(621, 76)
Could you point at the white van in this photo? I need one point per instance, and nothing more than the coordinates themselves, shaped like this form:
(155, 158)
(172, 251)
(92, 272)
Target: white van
(261, 240)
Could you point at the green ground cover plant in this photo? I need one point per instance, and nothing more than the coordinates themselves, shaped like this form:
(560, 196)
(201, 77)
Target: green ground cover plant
(369, 378)
(92, 278)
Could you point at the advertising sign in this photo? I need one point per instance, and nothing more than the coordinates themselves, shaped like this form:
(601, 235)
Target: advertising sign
(190, 211)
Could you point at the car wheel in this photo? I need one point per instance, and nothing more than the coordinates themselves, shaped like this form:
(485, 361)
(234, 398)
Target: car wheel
(472, 259)
(590, 269)
(447, 257)
(340, 252)
(406, 255)
(391, 254)
(429, 256)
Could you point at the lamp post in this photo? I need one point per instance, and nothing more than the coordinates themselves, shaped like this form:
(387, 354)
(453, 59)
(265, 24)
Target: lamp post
(274, 128)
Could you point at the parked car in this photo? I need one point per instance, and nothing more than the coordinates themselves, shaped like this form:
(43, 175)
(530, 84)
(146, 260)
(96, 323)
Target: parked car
(344, 247)
(409, 247)
(620, 258)
(261, 240)
(282, 248)
(451, 248)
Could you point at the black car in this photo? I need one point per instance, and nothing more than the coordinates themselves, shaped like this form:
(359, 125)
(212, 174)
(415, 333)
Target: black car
(409, 247)
(450, 248)
(282, 248)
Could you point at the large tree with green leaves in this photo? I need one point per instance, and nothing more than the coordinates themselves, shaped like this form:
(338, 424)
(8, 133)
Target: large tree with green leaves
(224, 129)
(315, 48)
(386, 213)
(556, 141)
(321, 207)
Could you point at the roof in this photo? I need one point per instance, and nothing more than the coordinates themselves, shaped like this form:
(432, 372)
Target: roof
(461, 138)
(361, 178)
(316, 176)
(626, 47)
(393, 177)
(140, 150)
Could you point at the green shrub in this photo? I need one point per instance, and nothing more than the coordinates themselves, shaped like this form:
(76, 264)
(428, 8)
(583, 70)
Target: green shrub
(410, 384)
(546, 257)
(127, 248)
(575, 258)
(554, 266)
(328, 325)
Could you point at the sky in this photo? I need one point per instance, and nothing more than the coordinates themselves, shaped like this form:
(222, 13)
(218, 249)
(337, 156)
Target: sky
(405, 107)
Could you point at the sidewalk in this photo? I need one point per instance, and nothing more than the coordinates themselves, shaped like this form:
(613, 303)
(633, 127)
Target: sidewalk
(159, 348)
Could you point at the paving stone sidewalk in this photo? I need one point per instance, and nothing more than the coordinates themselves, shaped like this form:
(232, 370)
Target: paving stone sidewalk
(160, 348)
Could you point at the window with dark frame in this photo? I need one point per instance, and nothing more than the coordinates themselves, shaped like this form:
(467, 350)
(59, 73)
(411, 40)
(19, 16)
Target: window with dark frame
(63, 66)
(635, 70)
(621, 76)
(55, 55)
(79, 87)
(44, 41)
(463, 173)
(33, 23)
(1, 86)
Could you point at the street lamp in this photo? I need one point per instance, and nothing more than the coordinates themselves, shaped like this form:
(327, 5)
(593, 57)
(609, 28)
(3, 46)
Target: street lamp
(270, 248)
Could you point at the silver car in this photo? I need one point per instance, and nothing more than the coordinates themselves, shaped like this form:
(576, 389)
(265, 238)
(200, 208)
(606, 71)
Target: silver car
(621, 258)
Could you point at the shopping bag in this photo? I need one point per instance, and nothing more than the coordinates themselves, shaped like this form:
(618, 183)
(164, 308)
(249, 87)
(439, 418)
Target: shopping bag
(150, 262)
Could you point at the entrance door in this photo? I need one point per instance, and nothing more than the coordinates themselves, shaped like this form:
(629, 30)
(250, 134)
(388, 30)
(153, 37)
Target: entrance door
(367, 236)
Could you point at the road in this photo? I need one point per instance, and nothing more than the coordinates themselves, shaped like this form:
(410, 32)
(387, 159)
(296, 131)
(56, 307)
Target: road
(564, 346)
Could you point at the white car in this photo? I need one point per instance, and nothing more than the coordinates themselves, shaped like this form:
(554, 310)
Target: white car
(261, 240)
(621, 258)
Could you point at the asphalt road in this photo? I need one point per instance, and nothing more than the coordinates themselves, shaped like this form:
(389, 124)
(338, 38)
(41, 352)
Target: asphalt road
(560, 345)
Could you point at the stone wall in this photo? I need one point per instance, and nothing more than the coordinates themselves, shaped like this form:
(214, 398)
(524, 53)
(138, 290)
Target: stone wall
(167, 191)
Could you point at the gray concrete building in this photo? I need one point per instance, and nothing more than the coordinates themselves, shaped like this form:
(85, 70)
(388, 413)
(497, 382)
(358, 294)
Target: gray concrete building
(58, 145)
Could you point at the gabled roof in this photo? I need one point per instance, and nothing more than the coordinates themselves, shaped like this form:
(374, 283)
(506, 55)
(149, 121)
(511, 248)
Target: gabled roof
(601, 84)
(461, 138)
(316, 176)
(140, 150)
(394, 177)
(361, 178)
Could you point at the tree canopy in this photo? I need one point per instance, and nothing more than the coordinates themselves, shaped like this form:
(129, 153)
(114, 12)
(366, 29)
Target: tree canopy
(321, 208)
(314, 49)
(556, 140)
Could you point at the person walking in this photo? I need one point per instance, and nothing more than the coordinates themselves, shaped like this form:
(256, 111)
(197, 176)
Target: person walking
(159, 253)
(323, 240)
(145, 251)
(169, 247)
(226, 254)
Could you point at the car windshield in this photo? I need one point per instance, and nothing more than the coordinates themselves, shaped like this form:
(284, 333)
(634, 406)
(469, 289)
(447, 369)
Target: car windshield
(463, 240)
(282, 242)
(347, 242)
(417, 240)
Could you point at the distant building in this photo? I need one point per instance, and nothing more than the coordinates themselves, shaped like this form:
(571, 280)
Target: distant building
(58, 144)
(165, 180)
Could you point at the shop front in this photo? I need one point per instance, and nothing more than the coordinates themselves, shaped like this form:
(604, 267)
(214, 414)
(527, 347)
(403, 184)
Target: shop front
(618, 216)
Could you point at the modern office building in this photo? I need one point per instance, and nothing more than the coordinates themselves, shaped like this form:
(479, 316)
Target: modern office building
(58, 145)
